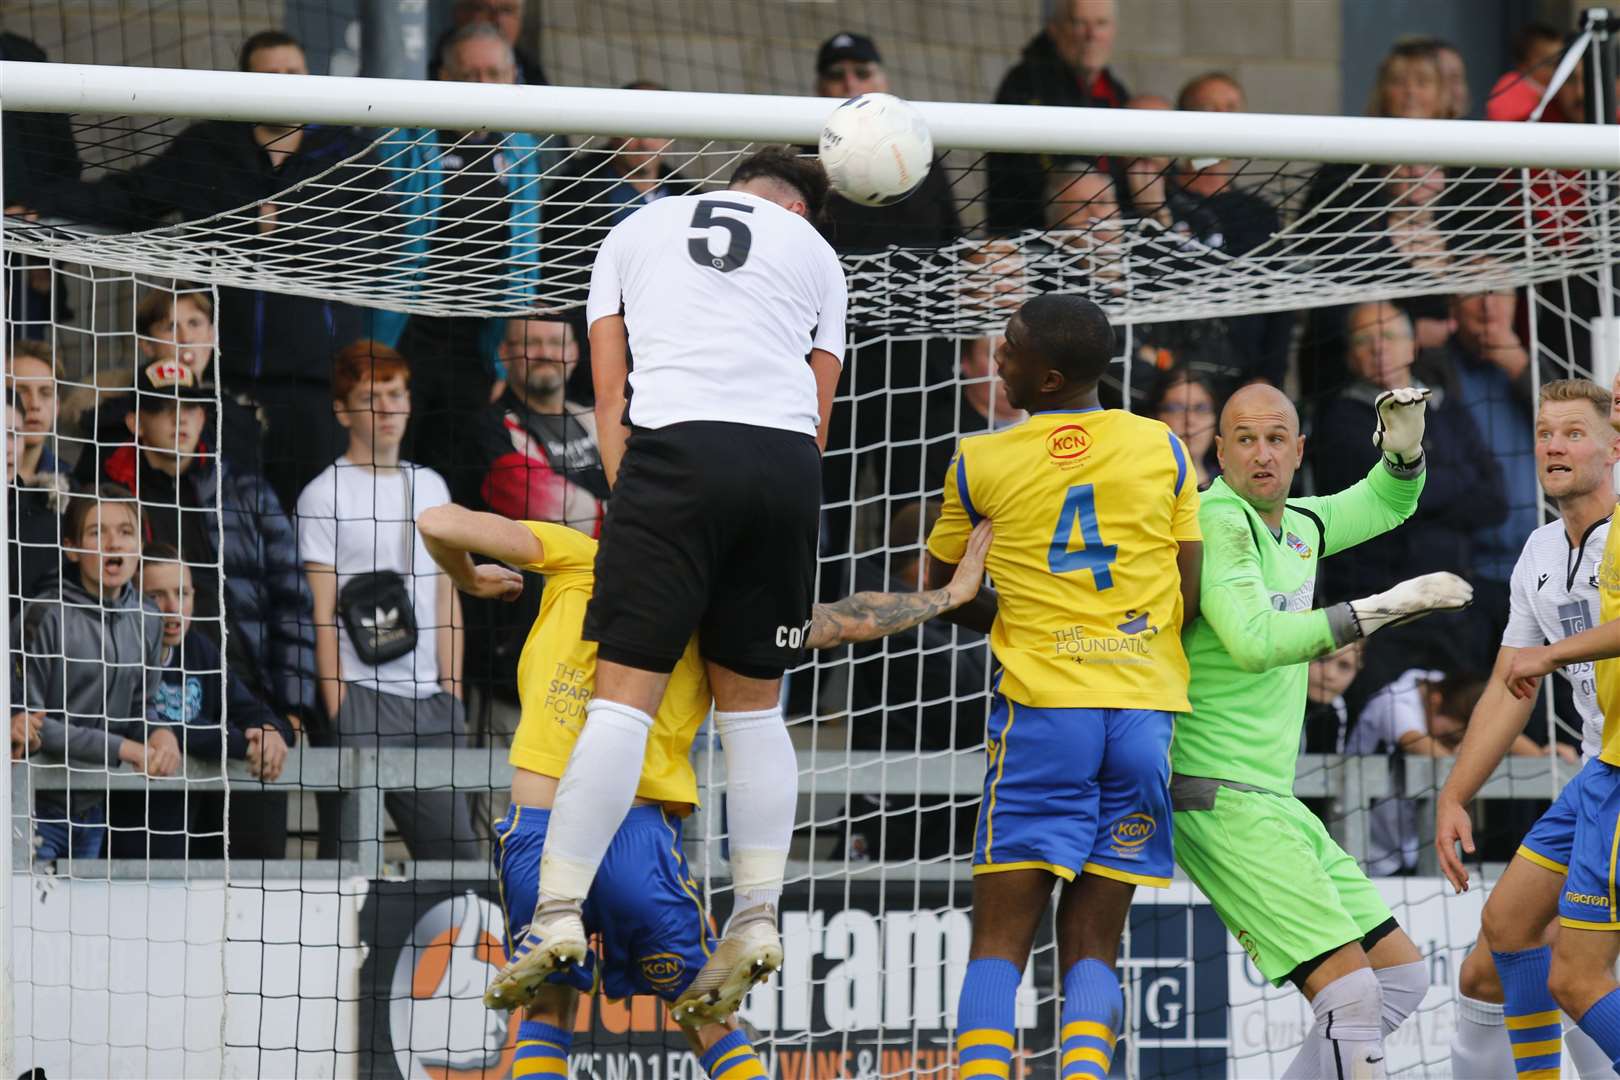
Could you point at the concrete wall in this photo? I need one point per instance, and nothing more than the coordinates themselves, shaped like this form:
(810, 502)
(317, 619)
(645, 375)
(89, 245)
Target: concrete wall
(1285, 51)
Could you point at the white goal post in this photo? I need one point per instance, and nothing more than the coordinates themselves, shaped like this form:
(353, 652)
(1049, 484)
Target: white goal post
(960, 293)
(577, 110)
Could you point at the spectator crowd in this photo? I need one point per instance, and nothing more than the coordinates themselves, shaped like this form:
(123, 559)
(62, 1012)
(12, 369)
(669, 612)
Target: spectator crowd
(217, 560)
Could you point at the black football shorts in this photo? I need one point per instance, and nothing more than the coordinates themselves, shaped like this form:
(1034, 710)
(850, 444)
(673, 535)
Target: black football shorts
(711, 531)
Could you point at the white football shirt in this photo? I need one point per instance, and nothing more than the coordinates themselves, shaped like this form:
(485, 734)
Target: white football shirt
(723, 297)
(1552, 595)
(354, 519)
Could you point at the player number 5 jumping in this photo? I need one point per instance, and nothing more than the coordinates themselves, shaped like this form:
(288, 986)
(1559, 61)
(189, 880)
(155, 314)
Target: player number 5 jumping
(738, 240)
(1079, 504)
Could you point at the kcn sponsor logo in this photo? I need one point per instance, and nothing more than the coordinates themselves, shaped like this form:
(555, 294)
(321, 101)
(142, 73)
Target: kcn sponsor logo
(436, 1017)
(663, 970)
(1133, 830)
(1068, 442)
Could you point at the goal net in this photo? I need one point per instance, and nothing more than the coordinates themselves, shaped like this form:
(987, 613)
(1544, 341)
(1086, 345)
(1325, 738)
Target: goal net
(325, 914)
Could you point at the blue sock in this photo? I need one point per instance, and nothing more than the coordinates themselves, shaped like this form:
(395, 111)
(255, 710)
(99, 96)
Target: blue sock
(542, 1050)
(1092, 1008)
(733, 1058)
(1602, 1022)
(985, 1015)
(1534, 1025)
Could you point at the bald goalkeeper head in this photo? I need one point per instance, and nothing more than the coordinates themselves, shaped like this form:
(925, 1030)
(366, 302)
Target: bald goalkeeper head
(1260, 448)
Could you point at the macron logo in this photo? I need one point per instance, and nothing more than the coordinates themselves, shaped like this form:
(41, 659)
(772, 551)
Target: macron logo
(1540, 581)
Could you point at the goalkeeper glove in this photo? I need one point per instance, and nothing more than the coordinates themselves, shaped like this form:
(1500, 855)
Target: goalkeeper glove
(1400, 426)
(1411, 599)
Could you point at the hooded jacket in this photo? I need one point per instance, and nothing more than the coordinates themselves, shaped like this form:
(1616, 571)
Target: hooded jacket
(83, 664)
(267, 599)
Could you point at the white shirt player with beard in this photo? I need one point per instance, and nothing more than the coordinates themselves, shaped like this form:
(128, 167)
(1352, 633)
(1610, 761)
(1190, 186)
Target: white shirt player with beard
(1552, 595)
(724, 295)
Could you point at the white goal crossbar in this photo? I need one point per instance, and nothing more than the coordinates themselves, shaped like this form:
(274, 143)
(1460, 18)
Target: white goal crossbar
(577, 110)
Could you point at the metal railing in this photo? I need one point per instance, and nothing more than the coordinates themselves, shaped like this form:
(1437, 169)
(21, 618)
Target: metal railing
(1347, 784)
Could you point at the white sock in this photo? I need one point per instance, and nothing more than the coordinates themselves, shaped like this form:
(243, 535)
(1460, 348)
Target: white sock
(593, 796)
(1348, 1038)
(762, 795)
(1480, 1046)
(1586, 1055)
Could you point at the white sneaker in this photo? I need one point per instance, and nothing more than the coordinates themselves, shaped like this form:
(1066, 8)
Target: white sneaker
(555, 940)
(745, 957)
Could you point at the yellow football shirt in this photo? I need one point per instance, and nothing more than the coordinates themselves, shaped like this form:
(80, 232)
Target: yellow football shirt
(1608, 671)
(557, 673)
(1089, 508)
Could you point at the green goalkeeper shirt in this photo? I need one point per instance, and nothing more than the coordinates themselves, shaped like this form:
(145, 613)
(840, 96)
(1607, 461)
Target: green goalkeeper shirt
(1251, 646)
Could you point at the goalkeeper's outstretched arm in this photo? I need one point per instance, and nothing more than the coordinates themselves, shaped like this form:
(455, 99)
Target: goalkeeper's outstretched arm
(1237, 603)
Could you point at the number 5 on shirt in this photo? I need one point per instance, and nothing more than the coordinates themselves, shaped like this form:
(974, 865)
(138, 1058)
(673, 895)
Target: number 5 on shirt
(1079, 505)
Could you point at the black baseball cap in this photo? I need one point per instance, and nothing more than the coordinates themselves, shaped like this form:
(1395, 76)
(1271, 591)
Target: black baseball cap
(163, 381)
(847, 46)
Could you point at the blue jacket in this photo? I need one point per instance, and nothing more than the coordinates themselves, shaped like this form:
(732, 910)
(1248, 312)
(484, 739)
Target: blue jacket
(271, 632)
(413, 159)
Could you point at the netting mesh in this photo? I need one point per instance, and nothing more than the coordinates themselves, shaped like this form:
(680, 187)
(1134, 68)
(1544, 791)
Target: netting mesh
(440, 224)
(348, 945)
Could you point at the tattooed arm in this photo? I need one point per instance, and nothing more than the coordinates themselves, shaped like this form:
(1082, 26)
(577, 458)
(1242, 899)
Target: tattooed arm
(867, 616)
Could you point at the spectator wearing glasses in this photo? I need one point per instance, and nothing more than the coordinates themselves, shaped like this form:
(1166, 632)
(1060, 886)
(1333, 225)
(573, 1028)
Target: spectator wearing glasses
(506, 16)
(1186, 403)
(847, 65)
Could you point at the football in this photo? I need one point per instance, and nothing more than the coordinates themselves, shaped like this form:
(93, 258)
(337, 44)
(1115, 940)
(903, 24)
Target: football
(876, 149)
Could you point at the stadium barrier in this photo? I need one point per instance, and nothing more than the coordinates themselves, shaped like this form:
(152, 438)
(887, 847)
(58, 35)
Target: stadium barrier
(1346, 783)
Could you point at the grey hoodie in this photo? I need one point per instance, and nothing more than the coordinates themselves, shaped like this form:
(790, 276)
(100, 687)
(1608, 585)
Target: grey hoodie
(85, 666)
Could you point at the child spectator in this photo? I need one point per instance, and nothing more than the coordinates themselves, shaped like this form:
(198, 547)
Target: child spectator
(32, 377)
(215, 718)
(34, 538)
(83, 665)
(1327, 717)
(386, 620)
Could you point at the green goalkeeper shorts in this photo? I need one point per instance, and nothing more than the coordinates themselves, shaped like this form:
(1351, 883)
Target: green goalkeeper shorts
(1284, 889)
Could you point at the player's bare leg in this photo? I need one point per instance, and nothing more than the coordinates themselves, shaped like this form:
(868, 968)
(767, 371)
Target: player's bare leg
(723, 1048)
(762, 790)
(1348, 1038)
(595, 793)
(546, 1032)
(1007, 910)
(1583, 983)
(1521, 906)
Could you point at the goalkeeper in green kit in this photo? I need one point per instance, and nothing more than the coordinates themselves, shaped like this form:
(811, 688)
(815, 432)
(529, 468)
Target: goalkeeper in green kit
(1300, 906)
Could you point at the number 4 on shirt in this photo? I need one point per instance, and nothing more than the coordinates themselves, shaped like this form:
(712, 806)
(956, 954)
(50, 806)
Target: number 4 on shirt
(1080, 506)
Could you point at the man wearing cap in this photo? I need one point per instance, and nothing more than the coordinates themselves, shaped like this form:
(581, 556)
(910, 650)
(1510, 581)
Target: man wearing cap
(880, 396)
(848, 65)
(224, 518)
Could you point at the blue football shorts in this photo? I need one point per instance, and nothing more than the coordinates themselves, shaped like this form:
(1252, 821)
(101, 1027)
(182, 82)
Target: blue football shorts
(649, 932)
(1077, 791)
(1577, 837)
